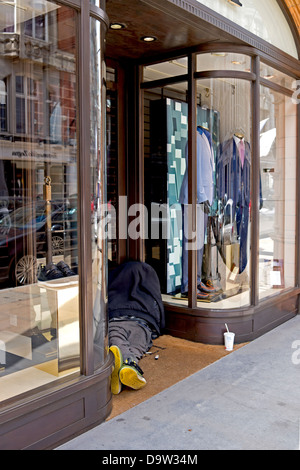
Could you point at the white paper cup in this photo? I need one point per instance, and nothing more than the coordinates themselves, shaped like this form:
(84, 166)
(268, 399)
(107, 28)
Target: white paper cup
(229, 340)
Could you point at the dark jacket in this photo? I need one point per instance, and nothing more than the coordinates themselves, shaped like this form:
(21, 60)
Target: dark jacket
(134, 290)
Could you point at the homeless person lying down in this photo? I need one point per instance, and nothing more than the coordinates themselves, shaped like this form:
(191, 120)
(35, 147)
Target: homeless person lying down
(136, 316)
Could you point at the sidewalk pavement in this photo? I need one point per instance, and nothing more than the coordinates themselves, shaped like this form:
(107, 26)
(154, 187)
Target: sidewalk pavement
(248, 400)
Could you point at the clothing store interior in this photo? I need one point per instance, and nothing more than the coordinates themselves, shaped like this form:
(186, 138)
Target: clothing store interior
(224, 136)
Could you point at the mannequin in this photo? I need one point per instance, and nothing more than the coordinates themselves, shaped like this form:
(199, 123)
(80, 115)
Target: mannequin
(233, 180)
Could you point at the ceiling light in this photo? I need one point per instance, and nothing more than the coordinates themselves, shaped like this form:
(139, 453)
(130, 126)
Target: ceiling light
(117, 26)
(148, 38)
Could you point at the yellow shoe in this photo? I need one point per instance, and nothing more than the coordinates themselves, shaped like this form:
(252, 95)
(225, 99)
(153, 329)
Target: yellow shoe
(131, 375)
(115, 384)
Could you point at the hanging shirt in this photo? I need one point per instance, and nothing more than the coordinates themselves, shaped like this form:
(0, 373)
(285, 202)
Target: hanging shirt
(205, 166)
(233, 176)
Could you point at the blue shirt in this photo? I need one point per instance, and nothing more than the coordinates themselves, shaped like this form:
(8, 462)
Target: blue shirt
(205, 166)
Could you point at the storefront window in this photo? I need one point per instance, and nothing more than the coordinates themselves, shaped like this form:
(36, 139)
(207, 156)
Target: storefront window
(224, 158)
(224, 171)
(165, 138)
(100, 210)
(223, 200)
(39, 311)
(277, 222)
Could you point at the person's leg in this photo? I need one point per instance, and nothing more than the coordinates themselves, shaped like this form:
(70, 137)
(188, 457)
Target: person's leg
(119, 344)
(115, 383)
(140, 340)
(118, 335)
(132, 341)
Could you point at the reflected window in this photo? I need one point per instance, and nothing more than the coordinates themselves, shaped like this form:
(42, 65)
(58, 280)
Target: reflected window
(29, 105)
(36, 27)
(3, 105)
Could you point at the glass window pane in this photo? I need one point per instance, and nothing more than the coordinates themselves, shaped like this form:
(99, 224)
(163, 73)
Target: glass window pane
(7, 22)
(28, 28)
(278, 213)
(223, 61)
(40, 30)
(165, 140)
(171, 68)
(223, 191)
(100, 209)
(19, 84)
(39, 309)
(276, 76)
(112, 144)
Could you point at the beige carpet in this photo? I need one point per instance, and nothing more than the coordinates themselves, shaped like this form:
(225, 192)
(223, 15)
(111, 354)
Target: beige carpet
(177, 359)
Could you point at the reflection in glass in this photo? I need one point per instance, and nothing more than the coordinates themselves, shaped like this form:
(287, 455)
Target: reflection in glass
(275, 76)
(277, 217)
(223, 61)
(112, 113)
(39, 336)
(98, 196)
(260, 18)
(166, 69)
